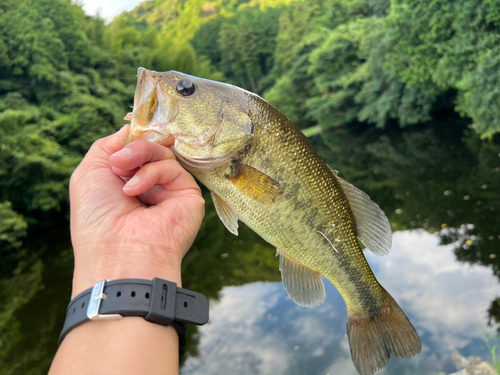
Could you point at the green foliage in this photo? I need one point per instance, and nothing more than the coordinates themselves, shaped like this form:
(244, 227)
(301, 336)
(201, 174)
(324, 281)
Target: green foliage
(12, 227)
(241, 46)
(14, 294)
(379, 85)
(449, 46)
(480, 94)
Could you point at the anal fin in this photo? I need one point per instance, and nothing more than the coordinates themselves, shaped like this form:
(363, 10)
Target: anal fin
(226, 214)
(303, 285)
(255, 184)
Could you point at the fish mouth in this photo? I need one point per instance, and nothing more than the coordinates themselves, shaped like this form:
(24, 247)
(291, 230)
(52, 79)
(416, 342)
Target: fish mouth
(154, 120)
(170, 141)
(153, 110)
(151, 136)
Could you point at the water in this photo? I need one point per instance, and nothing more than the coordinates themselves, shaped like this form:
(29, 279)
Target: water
(257, 329)
(439, 188)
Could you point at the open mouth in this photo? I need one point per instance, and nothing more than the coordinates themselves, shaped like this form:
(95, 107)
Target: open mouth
(151, 136)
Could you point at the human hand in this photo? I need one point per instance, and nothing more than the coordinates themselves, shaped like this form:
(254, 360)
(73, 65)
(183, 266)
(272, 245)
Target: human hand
(116, 234)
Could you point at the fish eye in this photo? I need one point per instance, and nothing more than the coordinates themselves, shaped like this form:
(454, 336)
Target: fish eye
(185, 87)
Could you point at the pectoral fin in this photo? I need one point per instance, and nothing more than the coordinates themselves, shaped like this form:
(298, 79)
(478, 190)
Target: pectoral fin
(255, 184)
(303, 285)
(226, 214)
(372, 226)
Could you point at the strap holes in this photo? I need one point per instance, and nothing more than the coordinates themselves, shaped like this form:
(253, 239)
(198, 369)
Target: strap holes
(185, 304)
(118, 294)
(83, 305)
(132, 294)
(147, 295)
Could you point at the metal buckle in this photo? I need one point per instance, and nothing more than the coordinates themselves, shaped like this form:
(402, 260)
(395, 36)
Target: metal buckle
(96, 297)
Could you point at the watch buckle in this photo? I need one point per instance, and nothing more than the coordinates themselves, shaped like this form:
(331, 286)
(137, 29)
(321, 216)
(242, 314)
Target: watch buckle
(96, 297)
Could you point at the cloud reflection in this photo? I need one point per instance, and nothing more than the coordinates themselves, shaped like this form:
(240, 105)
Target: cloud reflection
(257, 329)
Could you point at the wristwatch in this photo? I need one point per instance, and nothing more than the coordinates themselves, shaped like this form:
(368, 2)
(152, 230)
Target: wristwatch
(158, 301)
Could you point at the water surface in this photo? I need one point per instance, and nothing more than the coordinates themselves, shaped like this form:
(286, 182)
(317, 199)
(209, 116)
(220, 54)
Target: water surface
(439, 187)
(257, 329)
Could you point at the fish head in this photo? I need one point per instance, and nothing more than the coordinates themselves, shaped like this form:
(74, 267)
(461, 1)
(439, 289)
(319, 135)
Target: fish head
(204, 122)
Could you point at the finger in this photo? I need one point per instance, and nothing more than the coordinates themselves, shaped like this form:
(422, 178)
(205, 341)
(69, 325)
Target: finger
(98, 156)
(139, 153)
(112, 143)
(124, 172)
(115, 142)
(155, 195)
(168, 173)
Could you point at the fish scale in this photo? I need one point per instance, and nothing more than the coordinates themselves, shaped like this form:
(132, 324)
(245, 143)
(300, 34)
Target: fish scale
(320, 190)
(263, 171)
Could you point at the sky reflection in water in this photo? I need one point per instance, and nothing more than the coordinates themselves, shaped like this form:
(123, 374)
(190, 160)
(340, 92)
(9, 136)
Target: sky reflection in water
(257, 329)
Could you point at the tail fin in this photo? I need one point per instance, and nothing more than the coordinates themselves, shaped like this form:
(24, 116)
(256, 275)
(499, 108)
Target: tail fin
(377, 335)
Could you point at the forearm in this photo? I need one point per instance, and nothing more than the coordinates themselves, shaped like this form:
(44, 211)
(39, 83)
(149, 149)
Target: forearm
(127, 346)
(130, 345)
(117, 235)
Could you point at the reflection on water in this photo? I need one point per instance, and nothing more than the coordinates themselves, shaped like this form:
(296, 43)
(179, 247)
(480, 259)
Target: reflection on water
(439, 188)
(257, 329)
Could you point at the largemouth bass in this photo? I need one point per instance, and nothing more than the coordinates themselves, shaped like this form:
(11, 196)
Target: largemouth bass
(262, 170)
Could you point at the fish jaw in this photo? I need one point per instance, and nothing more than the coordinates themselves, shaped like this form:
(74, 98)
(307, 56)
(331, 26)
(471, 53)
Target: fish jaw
(204, 129)
(151, 136)
(154, 109)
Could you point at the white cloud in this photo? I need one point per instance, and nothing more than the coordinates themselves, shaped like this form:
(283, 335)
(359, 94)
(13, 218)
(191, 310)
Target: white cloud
(108, 8)
(233, 341)
(445, 297)
(257, 329)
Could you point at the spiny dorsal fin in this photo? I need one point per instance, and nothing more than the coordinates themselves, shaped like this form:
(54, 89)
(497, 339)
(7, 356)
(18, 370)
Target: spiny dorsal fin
(255, 184)
(303, 285)
(373, 228)
(226, 214)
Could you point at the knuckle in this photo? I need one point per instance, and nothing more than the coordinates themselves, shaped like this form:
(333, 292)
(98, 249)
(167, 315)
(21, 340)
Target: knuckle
(97, 144)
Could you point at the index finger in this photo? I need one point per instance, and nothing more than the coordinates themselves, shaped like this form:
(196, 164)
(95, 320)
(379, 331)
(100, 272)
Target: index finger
(139, 153)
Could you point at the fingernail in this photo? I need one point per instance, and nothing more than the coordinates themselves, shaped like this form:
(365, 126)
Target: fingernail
(123, 152)
(132, 183)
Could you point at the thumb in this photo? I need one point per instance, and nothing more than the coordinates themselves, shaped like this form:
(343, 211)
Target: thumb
(116, 141)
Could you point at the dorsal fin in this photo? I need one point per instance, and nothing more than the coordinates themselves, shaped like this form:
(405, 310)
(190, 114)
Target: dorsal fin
(226, 214)
(303, 285)
(373, 228)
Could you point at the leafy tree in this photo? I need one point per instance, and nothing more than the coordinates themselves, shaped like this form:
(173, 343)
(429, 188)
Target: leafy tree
(244, 45)
(449, 45)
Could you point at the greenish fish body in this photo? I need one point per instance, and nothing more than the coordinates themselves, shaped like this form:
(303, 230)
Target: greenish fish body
(262, 170)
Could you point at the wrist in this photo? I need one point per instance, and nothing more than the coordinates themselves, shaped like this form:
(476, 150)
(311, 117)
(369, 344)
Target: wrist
(124, 266)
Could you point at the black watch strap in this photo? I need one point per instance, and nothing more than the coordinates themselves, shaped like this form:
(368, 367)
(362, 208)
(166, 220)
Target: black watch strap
(158, 301)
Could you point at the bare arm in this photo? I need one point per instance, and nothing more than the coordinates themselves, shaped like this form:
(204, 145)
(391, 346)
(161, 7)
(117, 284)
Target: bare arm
(116, 235)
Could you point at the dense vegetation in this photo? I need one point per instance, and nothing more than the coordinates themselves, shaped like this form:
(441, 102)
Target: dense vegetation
(384, 88)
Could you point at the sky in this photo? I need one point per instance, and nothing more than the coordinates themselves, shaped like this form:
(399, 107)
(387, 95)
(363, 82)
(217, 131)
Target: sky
(108, 8)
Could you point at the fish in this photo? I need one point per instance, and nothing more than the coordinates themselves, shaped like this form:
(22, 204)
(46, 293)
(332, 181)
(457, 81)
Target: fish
(261, 170)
